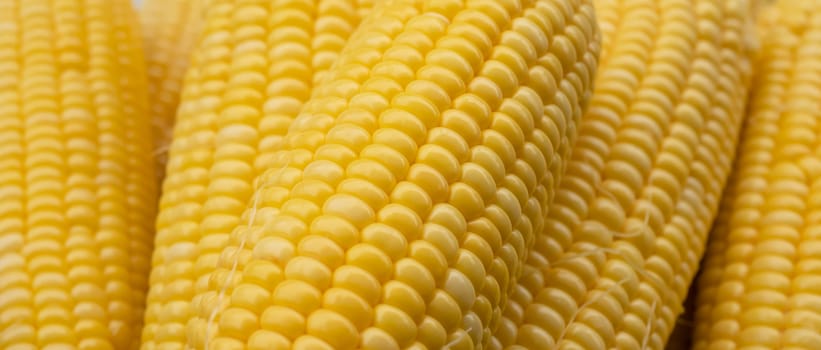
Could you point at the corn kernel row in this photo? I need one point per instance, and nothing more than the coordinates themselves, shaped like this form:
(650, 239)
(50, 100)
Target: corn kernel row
(77, 185)
(624, 236)
(760, 284)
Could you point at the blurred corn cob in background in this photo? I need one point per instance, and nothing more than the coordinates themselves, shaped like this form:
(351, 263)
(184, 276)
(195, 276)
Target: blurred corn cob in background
(77, 185)
(255, 65)
(760, 287)
(170, 31)
(624, 237)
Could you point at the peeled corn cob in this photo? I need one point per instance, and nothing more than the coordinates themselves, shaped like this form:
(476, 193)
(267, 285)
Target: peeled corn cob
(399, 211)
(760, 286)
(170, 31)
(624, 235)
(252, 70)
(77, 187)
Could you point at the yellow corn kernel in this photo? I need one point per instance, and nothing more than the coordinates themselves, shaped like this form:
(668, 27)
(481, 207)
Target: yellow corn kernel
(170, 31)
(400, 209)
(251, 71)
(623, 238)
(77, 190)
(759, 287)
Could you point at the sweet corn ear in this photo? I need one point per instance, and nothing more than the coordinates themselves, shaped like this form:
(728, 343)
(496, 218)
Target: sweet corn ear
(760, 287)
(77, 188)
(400, 209)
(253, 67)
(623, 238)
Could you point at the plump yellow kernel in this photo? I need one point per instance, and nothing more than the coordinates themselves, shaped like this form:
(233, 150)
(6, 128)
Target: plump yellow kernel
(405, 298)
(321, 249)
(412, 196)
(430, 256)
(263, 339)
(388, 239)
(397, 140)
(371, 259)
(431, 333)
(309, 270)
(235, 322)
(262, 273)
(333, 328)
(250, 296)
(358, 281)
(429, 180)
(444, 309)
(467, 200)
(349, 304)
(372, 171)
(274, 249)
(376, 338)
(469, 264)
(397, 323)
(283, 320)
(340, 231)
(310, 342)
(366, 191)
(414, 274)
(350, 208)
(298, 295)
(402, 219)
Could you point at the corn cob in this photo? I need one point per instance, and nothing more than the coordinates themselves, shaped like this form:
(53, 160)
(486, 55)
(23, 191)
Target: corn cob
(170, 31)
(623, 237)
(76, 175)
(399, 211)
(759, 288)
(250, 73)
